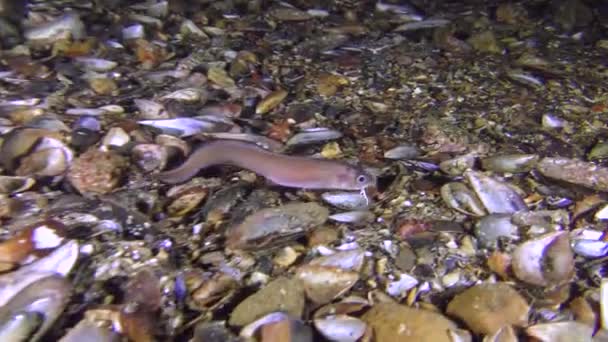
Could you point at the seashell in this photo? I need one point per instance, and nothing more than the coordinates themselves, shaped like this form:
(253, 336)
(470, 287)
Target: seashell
(23, 246)
(289, 14)
(189, 29)
(187, 95)
(358, 216)
(349, 200)
(65, 27)
(151, 110)
(497, 197)
(150, 157)
(95, 64)
(493, 227)
(351, 304)
(260, 140)
(48, 123)
(269, 225)
(86, 330)
(561, 332)
(313, 136)
(323, 284)
(109, 109)
(133, 32)
(20, 326)
(271, 101)
(511, 163)
(422, 25)
(11, 185)
(116, 137)
(341, 328)
(459, 197)
(250, 329)
(44, 163)
(402, 152)
(47, 296)
(90, 123)
(458, 165)
(590, 248)
(399, 287)
(544, 261)
(183, 127)
(172, 142)
(21, 141)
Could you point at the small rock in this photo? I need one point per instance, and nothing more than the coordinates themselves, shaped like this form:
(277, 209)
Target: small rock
(399, 323)
(282, 294)
(484, 42)
(486, 308)
(97, 171)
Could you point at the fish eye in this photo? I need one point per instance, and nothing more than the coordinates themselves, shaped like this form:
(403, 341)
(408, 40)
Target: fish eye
(361, 179)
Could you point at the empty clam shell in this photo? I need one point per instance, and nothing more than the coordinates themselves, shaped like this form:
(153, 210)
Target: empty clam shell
(187, 95)
(21, 326)
(170, 141)
(151, 110)
(459, 197)
(117, 137)
(183, 127)
(358, 216)
(150, 157)
(350, 200)
(497, 197)
(260, 140)
(19, 142)
(133, 32)
(95, 64)
(403, 152)
(64, 27)
(45, 163)
(341, 328)
(314, 136)
(546, 260)
(11, 185)
(47, 296)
